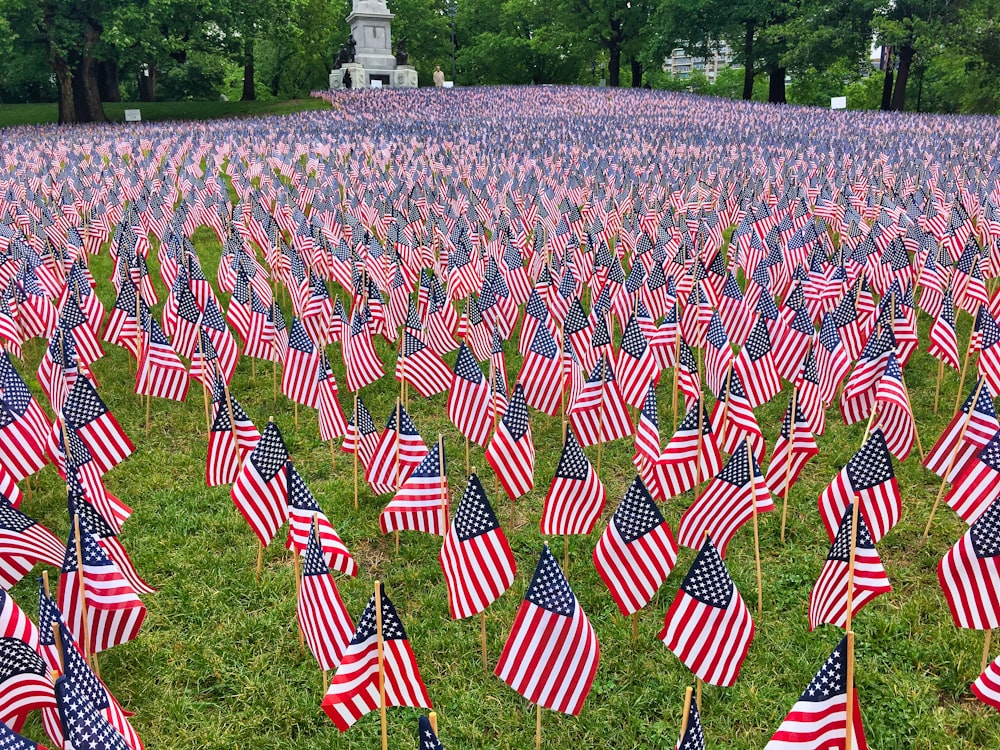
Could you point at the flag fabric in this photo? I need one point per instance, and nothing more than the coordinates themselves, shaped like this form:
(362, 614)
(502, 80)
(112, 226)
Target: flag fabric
(869, 476)
(398, 452)
(987, 685)
(11, 740)
(600, 414)
(306, 517)
(718, 354)
(636, 552)
(511, 452)
(755, 366)
(354, 689)
(635, 364)
(969, 430)
(708, 625)
(828, 599)
(832, 360)
(576, 496)
(231, 438)
(361, 436)
(793, 449)
(422, 367)
(260, 492)
(727, 503)
(321, 613)
(476, 559)
(647, 443)
(114, 611)
(733, 419)
(694, 736)
(969, 572)
(24, 679)
(89, 418)
(469, 398)
(895, 416)
(362, 362)
(426, 738)
(975, 487)
(686, 460)
(298, 376)
(22, 536)
(943, 339)
(83, 727)
(421, 503)
(551, 654)
(20, 450)
(541, 374)
(819, 718)
(160, 371)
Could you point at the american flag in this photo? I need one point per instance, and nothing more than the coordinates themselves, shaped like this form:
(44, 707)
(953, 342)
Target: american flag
(869, 476)
(895, 416)
(511, 452)
(363, 364)
(20, 403)
(298, 377)
(819, 718)
(576, 496)
(551, 654)
(647, 442)
(59, 369)
(755, 366)
(421, 367)
(969, 430)
(332, 423)
(94, 524)
(832, 360)
(72, 319)
(987, 685)
(354, 689)
(469, 398)
(828, 600)
(260, 492)
(227, 447)
(975, 487)
(989, 354)
(398, 452)
(969, 571)
(321, 613)
(727, 503)
(20, 451)
(25, 685)
(636, 552)
(708, 625)
(943, 339)
(23, 537)
(306, 517)
(426, 737)
(421, 502)
(686, 460)
(600, 414)
(11, 740)
(87, 416)
(688, 379)
(635, 364)
(858, 397)
(83, 727)
(693, 737)
(733, 419)
(114, 611)
(476, 558)
(540, 374)
(160, 371)
(793, 448)
(718, 355)
(361, 435)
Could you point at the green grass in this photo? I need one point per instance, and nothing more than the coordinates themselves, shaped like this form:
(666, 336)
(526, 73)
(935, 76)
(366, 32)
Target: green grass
(48, 113)
(218, 664)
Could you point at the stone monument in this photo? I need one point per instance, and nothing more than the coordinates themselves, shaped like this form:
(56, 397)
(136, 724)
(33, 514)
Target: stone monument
(368, 53)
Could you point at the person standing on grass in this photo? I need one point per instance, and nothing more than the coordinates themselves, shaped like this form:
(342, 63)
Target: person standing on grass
(347, 80)
(438, 77)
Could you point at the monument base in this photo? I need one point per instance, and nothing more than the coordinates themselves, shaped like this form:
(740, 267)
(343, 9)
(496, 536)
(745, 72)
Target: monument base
(399, 77)
(359, 77)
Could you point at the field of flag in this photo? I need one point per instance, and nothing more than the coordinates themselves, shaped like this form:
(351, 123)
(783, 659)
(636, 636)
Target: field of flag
(536, 407)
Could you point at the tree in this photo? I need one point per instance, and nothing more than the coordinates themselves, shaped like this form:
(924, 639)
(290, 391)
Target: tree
(620, 27)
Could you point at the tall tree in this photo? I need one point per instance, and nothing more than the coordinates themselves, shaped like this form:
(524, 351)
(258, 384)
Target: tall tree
(620, 27)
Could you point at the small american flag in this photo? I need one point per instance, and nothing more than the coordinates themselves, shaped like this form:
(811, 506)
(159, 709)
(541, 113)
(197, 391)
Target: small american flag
(968, 573)
(511, 452)
(708, 626)
(398, 452)
(969, 430)
(469, 398)
(755, 366)
(85, 413)
(686, 460)
(576, 496)
(298, 377)
(305, 518)
(260, 492)
(551, 654)
(987, 685)
(421, 503)
(540, 373)
(321, 613)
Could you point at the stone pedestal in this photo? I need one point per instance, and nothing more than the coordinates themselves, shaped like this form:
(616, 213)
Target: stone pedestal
(359, 77)
(404, 77)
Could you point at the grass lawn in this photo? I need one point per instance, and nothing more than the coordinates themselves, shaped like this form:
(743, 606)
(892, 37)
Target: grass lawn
(218, 663)
(48, 113)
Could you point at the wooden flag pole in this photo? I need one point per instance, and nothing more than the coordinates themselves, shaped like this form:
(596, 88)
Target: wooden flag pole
(204, 382)
(756, 532)
(466, 455)
(697, 458)
(687, 709)
(600, 418)
(937, 386)
(965, 367)
(986, 651)
(677, 364)
(953, 457)
(697, 696)
(482, 640)
(357, 445)
(538, 727)
(432, 717)
(381, 664)
(444, 490)
(849, 723)
(788, 461)
(635, 626)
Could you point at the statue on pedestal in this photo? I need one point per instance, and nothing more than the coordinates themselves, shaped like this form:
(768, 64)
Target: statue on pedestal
(402, 56)
(351, 48)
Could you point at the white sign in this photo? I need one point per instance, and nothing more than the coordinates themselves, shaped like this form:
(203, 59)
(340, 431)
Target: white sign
(133, 115)
(838, 102)
(449, 84)
(376, 84)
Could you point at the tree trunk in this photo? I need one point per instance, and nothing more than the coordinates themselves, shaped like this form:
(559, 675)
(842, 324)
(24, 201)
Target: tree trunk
(147, 83)
(776, 85)
(899, 90)
(64, 82)
(748, 62)
(249, 90)
(108, 82)
(887, 82)
(614, 64)
(636, 74)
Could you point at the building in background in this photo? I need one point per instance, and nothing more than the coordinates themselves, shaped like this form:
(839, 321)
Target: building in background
(681, 65)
